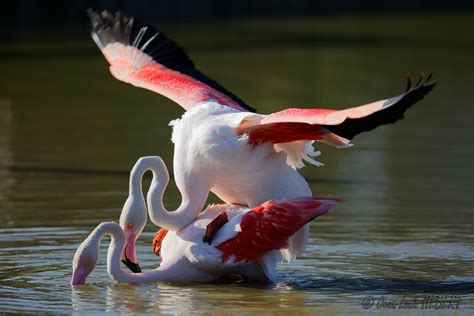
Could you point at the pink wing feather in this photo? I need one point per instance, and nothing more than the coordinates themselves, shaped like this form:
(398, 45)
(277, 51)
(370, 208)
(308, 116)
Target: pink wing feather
(268, 227)
(145, 58)
(322, 116)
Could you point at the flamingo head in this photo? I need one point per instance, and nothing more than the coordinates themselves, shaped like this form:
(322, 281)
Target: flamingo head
(132, 222)
(85, 260)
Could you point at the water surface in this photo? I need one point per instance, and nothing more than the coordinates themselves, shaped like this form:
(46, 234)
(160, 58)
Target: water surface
(69, 134)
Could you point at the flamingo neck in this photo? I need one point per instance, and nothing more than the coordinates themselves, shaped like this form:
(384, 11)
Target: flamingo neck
(159, 215)
(114, 268)
(136, 176)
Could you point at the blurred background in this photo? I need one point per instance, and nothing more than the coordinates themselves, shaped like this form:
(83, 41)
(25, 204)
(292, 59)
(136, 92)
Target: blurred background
(70, 132)
(30, 14)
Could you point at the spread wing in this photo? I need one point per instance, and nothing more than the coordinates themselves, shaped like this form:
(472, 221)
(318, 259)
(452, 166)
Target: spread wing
(292, 130)
(303, 124)
(145, 58)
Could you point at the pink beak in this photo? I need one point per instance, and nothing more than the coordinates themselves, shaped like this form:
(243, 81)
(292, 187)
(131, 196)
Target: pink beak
(79, 276)
(129, 254)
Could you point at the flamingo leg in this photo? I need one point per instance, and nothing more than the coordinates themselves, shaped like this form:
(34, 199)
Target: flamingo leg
(214, 226)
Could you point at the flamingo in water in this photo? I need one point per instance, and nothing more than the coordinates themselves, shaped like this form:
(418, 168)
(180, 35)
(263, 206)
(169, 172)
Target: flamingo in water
(245, 245)
(221, 145)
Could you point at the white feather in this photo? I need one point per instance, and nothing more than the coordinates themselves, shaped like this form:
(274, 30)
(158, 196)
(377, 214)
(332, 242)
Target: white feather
(208, 147)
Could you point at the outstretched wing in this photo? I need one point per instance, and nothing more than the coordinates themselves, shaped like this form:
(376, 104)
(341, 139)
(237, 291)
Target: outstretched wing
(145, 58)
(268, 227)
(344, 123)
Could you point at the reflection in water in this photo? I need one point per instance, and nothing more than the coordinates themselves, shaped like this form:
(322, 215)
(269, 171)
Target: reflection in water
(405, 225)
(185, 299)
(125, 297)
(84, 298)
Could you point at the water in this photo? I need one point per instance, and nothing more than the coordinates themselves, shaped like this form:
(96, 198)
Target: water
(69, 134)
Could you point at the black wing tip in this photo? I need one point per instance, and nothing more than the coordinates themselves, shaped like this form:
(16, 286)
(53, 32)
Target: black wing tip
(107, 28)
(423, 82)
(389, 114)
(96, 18)
(416, 92)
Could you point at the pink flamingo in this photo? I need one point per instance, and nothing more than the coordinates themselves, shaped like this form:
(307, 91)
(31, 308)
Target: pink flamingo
(245, 245)
(220, 145)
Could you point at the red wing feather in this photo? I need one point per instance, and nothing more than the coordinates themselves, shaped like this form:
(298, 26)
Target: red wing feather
(268, 227)
(285, 132)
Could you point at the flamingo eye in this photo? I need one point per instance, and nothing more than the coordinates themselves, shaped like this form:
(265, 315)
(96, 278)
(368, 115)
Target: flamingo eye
(129, 225)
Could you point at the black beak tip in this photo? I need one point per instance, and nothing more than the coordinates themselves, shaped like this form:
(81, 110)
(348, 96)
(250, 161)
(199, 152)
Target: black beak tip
(134, 267)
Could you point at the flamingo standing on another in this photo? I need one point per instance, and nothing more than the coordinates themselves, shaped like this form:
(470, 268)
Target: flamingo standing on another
(245, 245)
(220, 145)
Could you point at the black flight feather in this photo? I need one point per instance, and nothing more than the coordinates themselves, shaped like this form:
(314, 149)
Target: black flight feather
(392, 111)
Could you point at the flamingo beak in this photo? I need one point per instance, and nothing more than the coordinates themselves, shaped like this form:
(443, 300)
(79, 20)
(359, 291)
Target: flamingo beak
(79, 276)
(129, 255)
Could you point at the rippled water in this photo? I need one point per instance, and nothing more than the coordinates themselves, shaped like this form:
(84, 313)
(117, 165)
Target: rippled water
(69, 133)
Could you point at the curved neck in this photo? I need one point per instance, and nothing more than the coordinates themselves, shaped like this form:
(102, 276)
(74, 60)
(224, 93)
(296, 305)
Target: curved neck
(114, 268)
(191, 204)
(136, 176)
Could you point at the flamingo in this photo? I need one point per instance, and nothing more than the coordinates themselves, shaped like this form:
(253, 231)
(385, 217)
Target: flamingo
(221, 145)
(245, 245)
